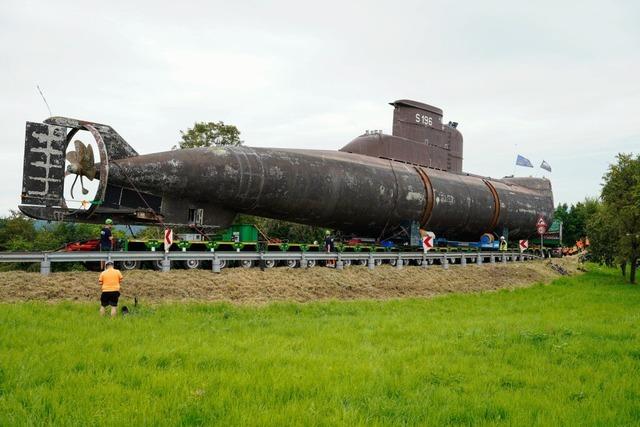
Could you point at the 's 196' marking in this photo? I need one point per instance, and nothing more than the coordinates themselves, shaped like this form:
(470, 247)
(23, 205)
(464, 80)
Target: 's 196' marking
(424, 120)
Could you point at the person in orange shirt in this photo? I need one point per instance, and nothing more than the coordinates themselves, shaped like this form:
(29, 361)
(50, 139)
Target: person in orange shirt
(110, 280)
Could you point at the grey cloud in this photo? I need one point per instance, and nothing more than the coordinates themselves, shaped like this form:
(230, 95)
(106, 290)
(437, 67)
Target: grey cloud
(556, 79)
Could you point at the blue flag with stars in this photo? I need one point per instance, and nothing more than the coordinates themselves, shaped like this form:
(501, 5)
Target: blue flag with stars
(523, 161)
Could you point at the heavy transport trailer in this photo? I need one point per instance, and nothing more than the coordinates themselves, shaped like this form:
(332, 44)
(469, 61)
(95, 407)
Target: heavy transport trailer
(244, 238)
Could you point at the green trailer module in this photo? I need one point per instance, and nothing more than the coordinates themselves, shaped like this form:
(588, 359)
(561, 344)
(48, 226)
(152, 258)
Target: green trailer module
(243, 233)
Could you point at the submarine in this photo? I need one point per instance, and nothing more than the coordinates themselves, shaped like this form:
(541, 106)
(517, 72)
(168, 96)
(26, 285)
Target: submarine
(377, 185)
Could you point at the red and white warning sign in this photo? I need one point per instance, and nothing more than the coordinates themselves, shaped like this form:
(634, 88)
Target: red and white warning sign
(428, 240)
(541, 225)
(168, 239)
(523, 244)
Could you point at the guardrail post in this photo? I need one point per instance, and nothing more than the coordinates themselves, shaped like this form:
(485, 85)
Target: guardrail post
(463, 261)
(215, 265)
(523, 257)
(303, 261)
(504, 258)
(479, 259)
(165, 264)
(492, 259)
(371, 263)
(445, 262)
(399, 263)
(45, 266)
(339, 263)
(425, 263)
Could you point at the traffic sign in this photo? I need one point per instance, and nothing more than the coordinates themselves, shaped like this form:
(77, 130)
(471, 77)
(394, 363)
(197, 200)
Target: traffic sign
(541, 225)
(168, 239)
(428, 239)
(524, 244)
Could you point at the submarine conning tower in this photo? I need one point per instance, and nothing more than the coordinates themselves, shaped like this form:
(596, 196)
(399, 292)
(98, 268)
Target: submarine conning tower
(418, 137)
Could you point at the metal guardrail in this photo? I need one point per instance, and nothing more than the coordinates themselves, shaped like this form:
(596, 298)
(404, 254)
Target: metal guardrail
(219, 259)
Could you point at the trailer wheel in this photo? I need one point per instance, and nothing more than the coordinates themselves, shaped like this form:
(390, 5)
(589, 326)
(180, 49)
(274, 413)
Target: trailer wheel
(346, 262)
(128, 265)
(362, 262)
(377, 262)
(292, 263)
(157, 264)
(246, 263)
(191, 264)
(223, 263)
(269, 263)
(311, 263)
(418, 262)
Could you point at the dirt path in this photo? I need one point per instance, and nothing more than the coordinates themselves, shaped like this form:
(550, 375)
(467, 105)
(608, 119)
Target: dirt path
(253, 286)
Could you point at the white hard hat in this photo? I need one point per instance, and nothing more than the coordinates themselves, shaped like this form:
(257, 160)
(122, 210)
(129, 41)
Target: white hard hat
(501, 237)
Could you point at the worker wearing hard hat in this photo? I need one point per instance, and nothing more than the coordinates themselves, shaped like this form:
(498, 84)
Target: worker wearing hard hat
(106, 239)
(329, 246)
(503, 244)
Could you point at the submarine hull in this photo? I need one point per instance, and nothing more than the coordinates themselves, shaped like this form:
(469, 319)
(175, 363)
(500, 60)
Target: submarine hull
(351, 192)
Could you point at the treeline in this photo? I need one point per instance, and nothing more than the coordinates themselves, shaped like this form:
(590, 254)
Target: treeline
(20, 233)
(575, 218)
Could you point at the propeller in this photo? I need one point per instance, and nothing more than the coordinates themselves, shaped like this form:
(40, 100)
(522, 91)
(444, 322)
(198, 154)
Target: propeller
(81, 164)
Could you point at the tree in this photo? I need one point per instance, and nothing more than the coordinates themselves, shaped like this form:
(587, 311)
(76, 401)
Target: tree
(621, 202)
(574, 219)
(206, 134)
(602, 237)
(17, 233)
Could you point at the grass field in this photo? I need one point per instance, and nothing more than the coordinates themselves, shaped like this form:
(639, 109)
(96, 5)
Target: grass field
(566, 353)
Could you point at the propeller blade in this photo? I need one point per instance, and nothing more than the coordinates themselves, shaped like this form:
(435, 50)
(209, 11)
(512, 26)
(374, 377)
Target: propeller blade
(89, 155)
(86, 162)
(72, 185)
(84, 190)
(72, 157)
(90, 173)
(80, 149)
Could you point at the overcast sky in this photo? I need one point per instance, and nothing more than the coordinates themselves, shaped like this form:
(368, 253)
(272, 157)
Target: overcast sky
(558, 81)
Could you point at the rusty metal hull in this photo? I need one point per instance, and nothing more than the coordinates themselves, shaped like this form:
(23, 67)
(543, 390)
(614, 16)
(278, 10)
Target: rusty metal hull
(351, 192)
(330, 189)
(374, 186)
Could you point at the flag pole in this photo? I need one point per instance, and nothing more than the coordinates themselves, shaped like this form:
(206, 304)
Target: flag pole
(515, 150)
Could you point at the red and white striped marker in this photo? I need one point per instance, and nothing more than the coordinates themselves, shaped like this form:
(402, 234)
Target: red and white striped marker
(524, 244)
(168, 239)
(427, 240)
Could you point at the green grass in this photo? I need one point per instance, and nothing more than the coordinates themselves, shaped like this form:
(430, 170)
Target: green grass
(566, 353)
